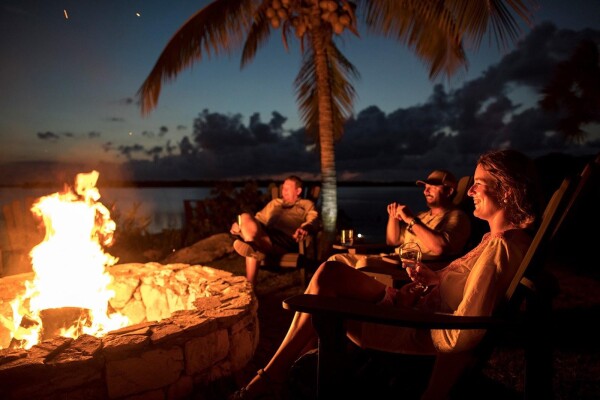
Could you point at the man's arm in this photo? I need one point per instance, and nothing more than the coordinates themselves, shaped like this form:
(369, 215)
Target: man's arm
(264, 215)
(312, 222)
(449, 237)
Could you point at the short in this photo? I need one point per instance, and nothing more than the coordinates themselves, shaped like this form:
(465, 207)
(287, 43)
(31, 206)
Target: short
(281, 239)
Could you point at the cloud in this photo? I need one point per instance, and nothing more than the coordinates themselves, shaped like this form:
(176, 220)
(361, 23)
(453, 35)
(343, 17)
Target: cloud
(48, 136)
(450, 129)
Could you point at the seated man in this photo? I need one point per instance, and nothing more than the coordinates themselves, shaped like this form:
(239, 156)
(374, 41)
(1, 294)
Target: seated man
(277, 228)
(441, 231)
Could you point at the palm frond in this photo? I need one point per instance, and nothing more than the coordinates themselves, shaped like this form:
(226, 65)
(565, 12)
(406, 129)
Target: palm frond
(341, 71)
(424, 26)
(436, 30)
(219, 27)
(476, 18)
(258, 34)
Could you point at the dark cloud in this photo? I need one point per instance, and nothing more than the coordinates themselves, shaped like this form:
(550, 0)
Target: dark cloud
(163, 131)
(448, 130)
(108, 146)
(116, 119)
(129, 151)
(48, 136)
(94, 134)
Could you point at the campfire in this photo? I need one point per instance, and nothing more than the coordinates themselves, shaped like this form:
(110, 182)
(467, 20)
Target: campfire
(69, 294)
(82, 326)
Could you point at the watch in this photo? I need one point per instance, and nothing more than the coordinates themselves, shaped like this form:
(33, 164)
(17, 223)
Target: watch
(411, 223)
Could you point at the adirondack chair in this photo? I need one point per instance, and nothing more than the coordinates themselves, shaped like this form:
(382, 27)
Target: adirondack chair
(306, 258)
(527, 305)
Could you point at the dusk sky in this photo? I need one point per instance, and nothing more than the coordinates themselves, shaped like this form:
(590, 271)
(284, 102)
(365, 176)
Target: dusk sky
(70, 71)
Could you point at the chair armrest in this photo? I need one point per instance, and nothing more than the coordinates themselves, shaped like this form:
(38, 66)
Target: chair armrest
(346, 309)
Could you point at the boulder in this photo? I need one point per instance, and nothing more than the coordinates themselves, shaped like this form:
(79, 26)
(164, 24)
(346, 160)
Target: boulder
(203, 251)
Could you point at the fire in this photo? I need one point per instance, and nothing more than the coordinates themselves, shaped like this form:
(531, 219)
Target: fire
(70, 266)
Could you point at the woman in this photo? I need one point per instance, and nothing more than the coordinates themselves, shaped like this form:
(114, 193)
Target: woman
(505, 194)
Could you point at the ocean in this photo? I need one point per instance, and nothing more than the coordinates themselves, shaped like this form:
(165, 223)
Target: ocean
(363, 206)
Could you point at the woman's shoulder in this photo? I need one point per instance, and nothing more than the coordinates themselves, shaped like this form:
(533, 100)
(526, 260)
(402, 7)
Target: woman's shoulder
(511, 237)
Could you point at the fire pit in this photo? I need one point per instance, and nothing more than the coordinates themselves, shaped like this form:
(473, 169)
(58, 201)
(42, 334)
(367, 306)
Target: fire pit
(167, 353)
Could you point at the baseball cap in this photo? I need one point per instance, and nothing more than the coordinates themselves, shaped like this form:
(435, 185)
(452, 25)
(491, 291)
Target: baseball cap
(439, 177)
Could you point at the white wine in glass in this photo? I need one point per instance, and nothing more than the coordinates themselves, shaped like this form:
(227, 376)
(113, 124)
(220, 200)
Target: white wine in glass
(410, 255)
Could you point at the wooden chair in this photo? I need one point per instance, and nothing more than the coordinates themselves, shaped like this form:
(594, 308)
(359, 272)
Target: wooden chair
(527, 305)
(462, 188)
(306, 258)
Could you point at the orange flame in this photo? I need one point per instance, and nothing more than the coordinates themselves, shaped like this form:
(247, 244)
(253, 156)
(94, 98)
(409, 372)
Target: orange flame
(70, 265)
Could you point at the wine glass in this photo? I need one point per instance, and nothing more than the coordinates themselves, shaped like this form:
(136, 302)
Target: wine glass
(410, 255)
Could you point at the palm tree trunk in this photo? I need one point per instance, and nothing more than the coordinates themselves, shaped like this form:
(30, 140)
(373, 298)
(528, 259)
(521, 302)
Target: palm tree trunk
(328, 173)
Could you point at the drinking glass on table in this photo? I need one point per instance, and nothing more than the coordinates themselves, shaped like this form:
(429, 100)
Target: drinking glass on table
(410, 255)
(347, 237)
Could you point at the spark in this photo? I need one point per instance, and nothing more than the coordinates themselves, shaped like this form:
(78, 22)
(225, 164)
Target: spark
(66, 14)
(137, 14)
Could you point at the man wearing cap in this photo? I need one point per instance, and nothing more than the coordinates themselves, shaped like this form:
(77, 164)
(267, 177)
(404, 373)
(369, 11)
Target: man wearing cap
(441, 231)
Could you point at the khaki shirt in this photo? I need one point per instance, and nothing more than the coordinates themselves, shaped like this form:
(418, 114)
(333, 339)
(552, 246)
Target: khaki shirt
(453, 224)
(287, 218)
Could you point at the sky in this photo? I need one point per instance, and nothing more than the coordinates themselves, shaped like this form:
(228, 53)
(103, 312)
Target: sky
(70, 71)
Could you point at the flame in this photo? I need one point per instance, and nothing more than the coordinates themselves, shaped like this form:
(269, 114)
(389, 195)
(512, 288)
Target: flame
(70, 266)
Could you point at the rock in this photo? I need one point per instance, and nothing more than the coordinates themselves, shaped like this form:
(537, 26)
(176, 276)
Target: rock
(203, 251)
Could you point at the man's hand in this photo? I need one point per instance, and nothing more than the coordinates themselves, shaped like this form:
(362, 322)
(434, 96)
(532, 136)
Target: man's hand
(235, 229)
(300, 234)
(404, 213)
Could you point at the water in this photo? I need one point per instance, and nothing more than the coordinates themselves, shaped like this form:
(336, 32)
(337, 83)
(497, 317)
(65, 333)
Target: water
(365, 206)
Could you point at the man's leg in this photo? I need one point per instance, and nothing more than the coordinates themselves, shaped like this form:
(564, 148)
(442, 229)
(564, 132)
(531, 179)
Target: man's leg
(252, 231)
(252, 270)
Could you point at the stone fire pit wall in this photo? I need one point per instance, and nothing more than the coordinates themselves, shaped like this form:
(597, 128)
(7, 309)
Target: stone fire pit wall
(170, 359)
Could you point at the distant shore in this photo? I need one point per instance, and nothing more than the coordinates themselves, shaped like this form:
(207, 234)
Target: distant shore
(206, 183)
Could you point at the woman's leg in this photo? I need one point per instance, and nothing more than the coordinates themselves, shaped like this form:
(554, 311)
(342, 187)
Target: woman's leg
(331, 279)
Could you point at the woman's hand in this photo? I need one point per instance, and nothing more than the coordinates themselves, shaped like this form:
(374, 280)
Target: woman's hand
(420, 273)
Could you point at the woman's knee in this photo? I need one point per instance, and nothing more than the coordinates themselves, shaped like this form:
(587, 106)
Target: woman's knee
(327, 276)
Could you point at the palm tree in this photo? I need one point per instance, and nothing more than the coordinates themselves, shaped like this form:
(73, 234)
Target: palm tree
(434, 29)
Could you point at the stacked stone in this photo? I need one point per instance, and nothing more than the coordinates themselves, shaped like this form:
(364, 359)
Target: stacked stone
(193, 326)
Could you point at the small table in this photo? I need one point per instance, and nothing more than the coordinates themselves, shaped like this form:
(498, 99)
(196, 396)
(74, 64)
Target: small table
(364, 248)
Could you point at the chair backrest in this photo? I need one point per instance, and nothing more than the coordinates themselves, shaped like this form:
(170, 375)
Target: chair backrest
(462, 187)
(310, 192)
(585, 183)
(559, 206)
